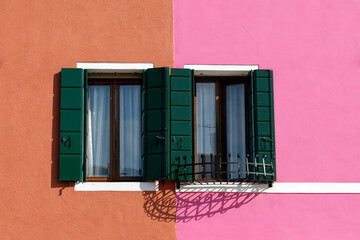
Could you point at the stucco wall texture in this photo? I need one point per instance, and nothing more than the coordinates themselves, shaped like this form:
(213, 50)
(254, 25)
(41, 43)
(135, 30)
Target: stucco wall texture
(314, 49)
(37, 39)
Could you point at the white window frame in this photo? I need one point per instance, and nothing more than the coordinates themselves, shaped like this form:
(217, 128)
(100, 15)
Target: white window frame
(221, 71)
(104, 67)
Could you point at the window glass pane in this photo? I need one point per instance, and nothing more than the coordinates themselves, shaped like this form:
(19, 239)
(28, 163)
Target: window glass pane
(99, 131)
(235, 124)
(206, 125)
(130, 131)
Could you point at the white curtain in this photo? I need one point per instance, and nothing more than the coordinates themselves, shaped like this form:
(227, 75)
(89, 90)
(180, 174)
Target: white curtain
(99, 131)
(235, 122)
(130, 131)
(206, 124)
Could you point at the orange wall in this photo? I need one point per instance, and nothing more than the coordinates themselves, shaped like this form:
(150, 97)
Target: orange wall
(37, 39)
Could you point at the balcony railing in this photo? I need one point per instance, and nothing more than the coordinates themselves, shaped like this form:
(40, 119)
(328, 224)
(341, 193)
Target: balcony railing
(211, 168)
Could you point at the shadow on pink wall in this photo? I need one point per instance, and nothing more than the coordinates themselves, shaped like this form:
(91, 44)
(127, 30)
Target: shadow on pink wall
(164, 207)
(196, 206)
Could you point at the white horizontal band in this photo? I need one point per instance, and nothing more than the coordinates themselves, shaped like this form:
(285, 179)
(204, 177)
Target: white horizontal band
(276, 188)
(221, 70)
(102, 67)
(116, 186)
(223, 187)
(222, 67)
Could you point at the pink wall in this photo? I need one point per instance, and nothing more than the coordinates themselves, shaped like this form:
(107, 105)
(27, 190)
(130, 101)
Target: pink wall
(314, 49)
(267, 216)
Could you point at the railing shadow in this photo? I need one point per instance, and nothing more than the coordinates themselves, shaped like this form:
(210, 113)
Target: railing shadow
(161, 205)
(193, 206)
(196, 206)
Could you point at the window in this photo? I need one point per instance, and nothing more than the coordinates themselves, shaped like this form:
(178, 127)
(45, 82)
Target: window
(220, 126)
(114, 128)
(113, 123)
(234, 124)
(166, 124)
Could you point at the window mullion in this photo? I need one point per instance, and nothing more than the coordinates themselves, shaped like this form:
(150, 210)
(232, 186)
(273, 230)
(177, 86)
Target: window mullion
(219, 126)
(112, 100)
(113, 127)
(116, 162)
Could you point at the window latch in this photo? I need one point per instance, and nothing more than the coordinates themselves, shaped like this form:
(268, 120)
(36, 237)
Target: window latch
(159, 139)
(66, 142)
(264, 142)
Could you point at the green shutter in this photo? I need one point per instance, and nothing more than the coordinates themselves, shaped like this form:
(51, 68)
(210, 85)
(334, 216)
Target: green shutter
(181, 124)
(261, 121)
(71, 124)
(155, 120)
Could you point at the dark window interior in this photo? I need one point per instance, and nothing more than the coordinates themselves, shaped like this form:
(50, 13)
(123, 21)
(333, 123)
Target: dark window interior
(114, 127)
(221, 132)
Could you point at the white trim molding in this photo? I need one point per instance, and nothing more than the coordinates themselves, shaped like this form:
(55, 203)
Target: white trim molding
(276, 188)
(102, 67)
(116, 186)
(221, 70)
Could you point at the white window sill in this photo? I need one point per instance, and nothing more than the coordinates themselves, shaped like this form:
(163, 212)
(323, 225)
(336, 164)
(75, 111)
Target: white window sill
(117, 186)
(276, 188)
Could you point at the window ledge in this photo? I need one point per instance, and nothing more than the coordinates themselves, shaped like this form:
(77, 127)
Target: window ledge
(116, 186)
(296, 188)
